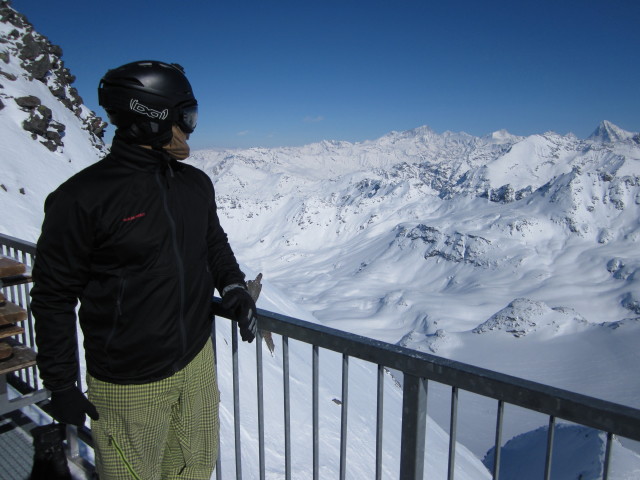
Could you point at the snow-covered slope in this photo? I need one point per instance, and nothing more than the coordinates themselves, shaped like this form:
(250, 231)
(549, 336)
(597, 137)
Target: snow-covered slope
(458, 226)
(426, 239)
(46, 133)
(578, 455)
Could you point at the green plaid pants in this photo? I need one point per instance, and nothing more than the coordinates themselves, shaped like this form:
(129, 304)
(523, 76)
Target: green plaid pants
(161, 430)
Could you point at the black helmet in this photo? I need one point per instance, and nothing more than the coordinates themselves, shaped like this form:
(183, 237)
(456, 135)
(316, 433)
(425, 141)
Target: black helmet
(146, 98)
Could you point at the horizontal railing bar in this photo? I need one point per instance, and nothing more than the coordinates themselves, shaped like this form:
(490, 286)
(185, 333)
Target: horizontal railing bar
(600, 414)
(9, 241)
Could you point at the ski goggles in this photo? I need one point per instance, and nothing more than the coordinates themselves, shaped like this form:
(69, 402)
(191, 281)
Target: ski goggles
(188, 118)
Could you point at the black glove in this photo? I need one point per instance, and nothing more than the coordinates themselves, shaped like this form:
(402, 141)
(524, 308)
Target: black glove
(70, 406)
(238, 301)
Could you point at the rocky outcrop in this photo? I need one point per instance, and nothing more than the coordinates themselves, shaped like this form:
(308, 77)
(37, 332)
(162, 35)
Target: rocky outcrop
(41, 61)
(40, 122)
(456, 247)
(524, 316)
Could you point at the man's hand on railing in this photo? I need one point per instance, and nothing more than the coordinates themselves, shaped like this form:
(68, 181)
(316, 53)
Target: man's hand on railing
(70, 406)
(237, 299)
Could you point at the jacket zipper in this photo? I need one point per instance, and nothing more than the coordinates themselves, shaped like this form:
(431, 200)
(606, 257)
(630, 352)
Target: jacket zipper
(179, 262)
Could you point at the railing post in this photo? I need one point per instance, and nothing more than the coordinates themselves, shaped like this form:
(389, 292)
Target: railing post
(315, 415)
(345, 409)
(550, 437)
(498, 445)
(379, 422)
(236, 399)
(453, 433)
(607, 457)
(260, 389)
(287, 408)
(214, 342)
(414, 424)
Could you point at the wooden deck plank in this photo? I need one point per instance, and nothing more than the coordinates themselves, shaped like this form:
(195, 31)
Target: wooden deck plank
(10, 267)
(12, 313)
(23, 357)
(10, 330)
(15, 280)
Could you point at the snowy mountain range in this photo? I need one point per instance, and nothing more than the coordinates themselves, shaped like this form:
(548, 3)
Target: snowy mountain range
(517, 254)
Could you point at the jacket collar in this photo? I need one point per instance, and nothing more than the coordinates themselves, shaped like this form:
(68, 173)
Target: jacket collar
(140, 158)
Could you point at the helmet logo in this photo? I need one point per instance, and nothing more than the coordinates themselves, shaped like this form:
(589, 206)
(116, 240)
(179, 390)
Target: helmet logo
(137, 107)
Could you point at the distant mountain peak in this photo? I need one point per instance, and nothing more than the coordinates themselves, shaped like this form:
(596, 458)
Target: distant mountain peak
(502, 136)
(607, 132)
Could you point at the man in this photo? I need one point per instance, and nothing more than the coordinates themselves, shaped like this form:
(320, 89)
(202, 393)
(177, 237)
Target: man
(136, 238)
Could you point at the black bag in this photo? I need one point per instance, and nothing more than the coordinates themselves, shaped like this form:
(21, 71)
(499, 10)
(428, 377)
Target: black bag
(49, 459)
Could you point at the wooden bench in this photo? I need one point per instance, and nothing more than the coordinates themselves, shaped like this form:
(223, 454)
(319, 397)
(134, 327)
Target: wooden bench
(12, 273)
(13, 355)
(22, 357)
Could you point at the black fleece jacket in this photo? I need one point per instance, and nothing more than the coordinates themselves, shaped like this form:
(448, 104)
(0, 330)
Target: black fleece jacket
(136, 238)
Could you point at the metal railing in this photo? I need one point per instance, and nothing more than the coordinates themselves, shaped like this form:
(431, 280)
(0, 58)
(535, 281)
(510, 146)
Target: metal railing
(418, 370)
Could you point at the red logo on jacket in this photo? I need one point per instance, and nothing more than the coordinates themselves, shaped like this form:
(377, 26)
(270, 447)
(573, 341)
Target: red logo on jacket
(134, 217)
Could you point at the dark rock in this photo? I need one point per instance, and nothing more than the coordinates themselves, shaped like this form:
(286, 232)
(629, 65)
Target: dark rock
(59, 127)
(67, 76)
(45, 112)
(36, 124)
(630, 302)
(4, 56)
(8, 76)
(504, 194)
(55, 50)
(53, 136)
(68, 103)
(58, 91)
(40, 68)
(75, 95)
(31, 48)
(29, 102)
(9, 15)
(51, 145)
(96, 126)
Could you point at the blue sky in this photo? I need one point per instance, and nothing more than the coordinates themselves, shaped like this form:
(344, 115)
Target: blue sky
(284, 73)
